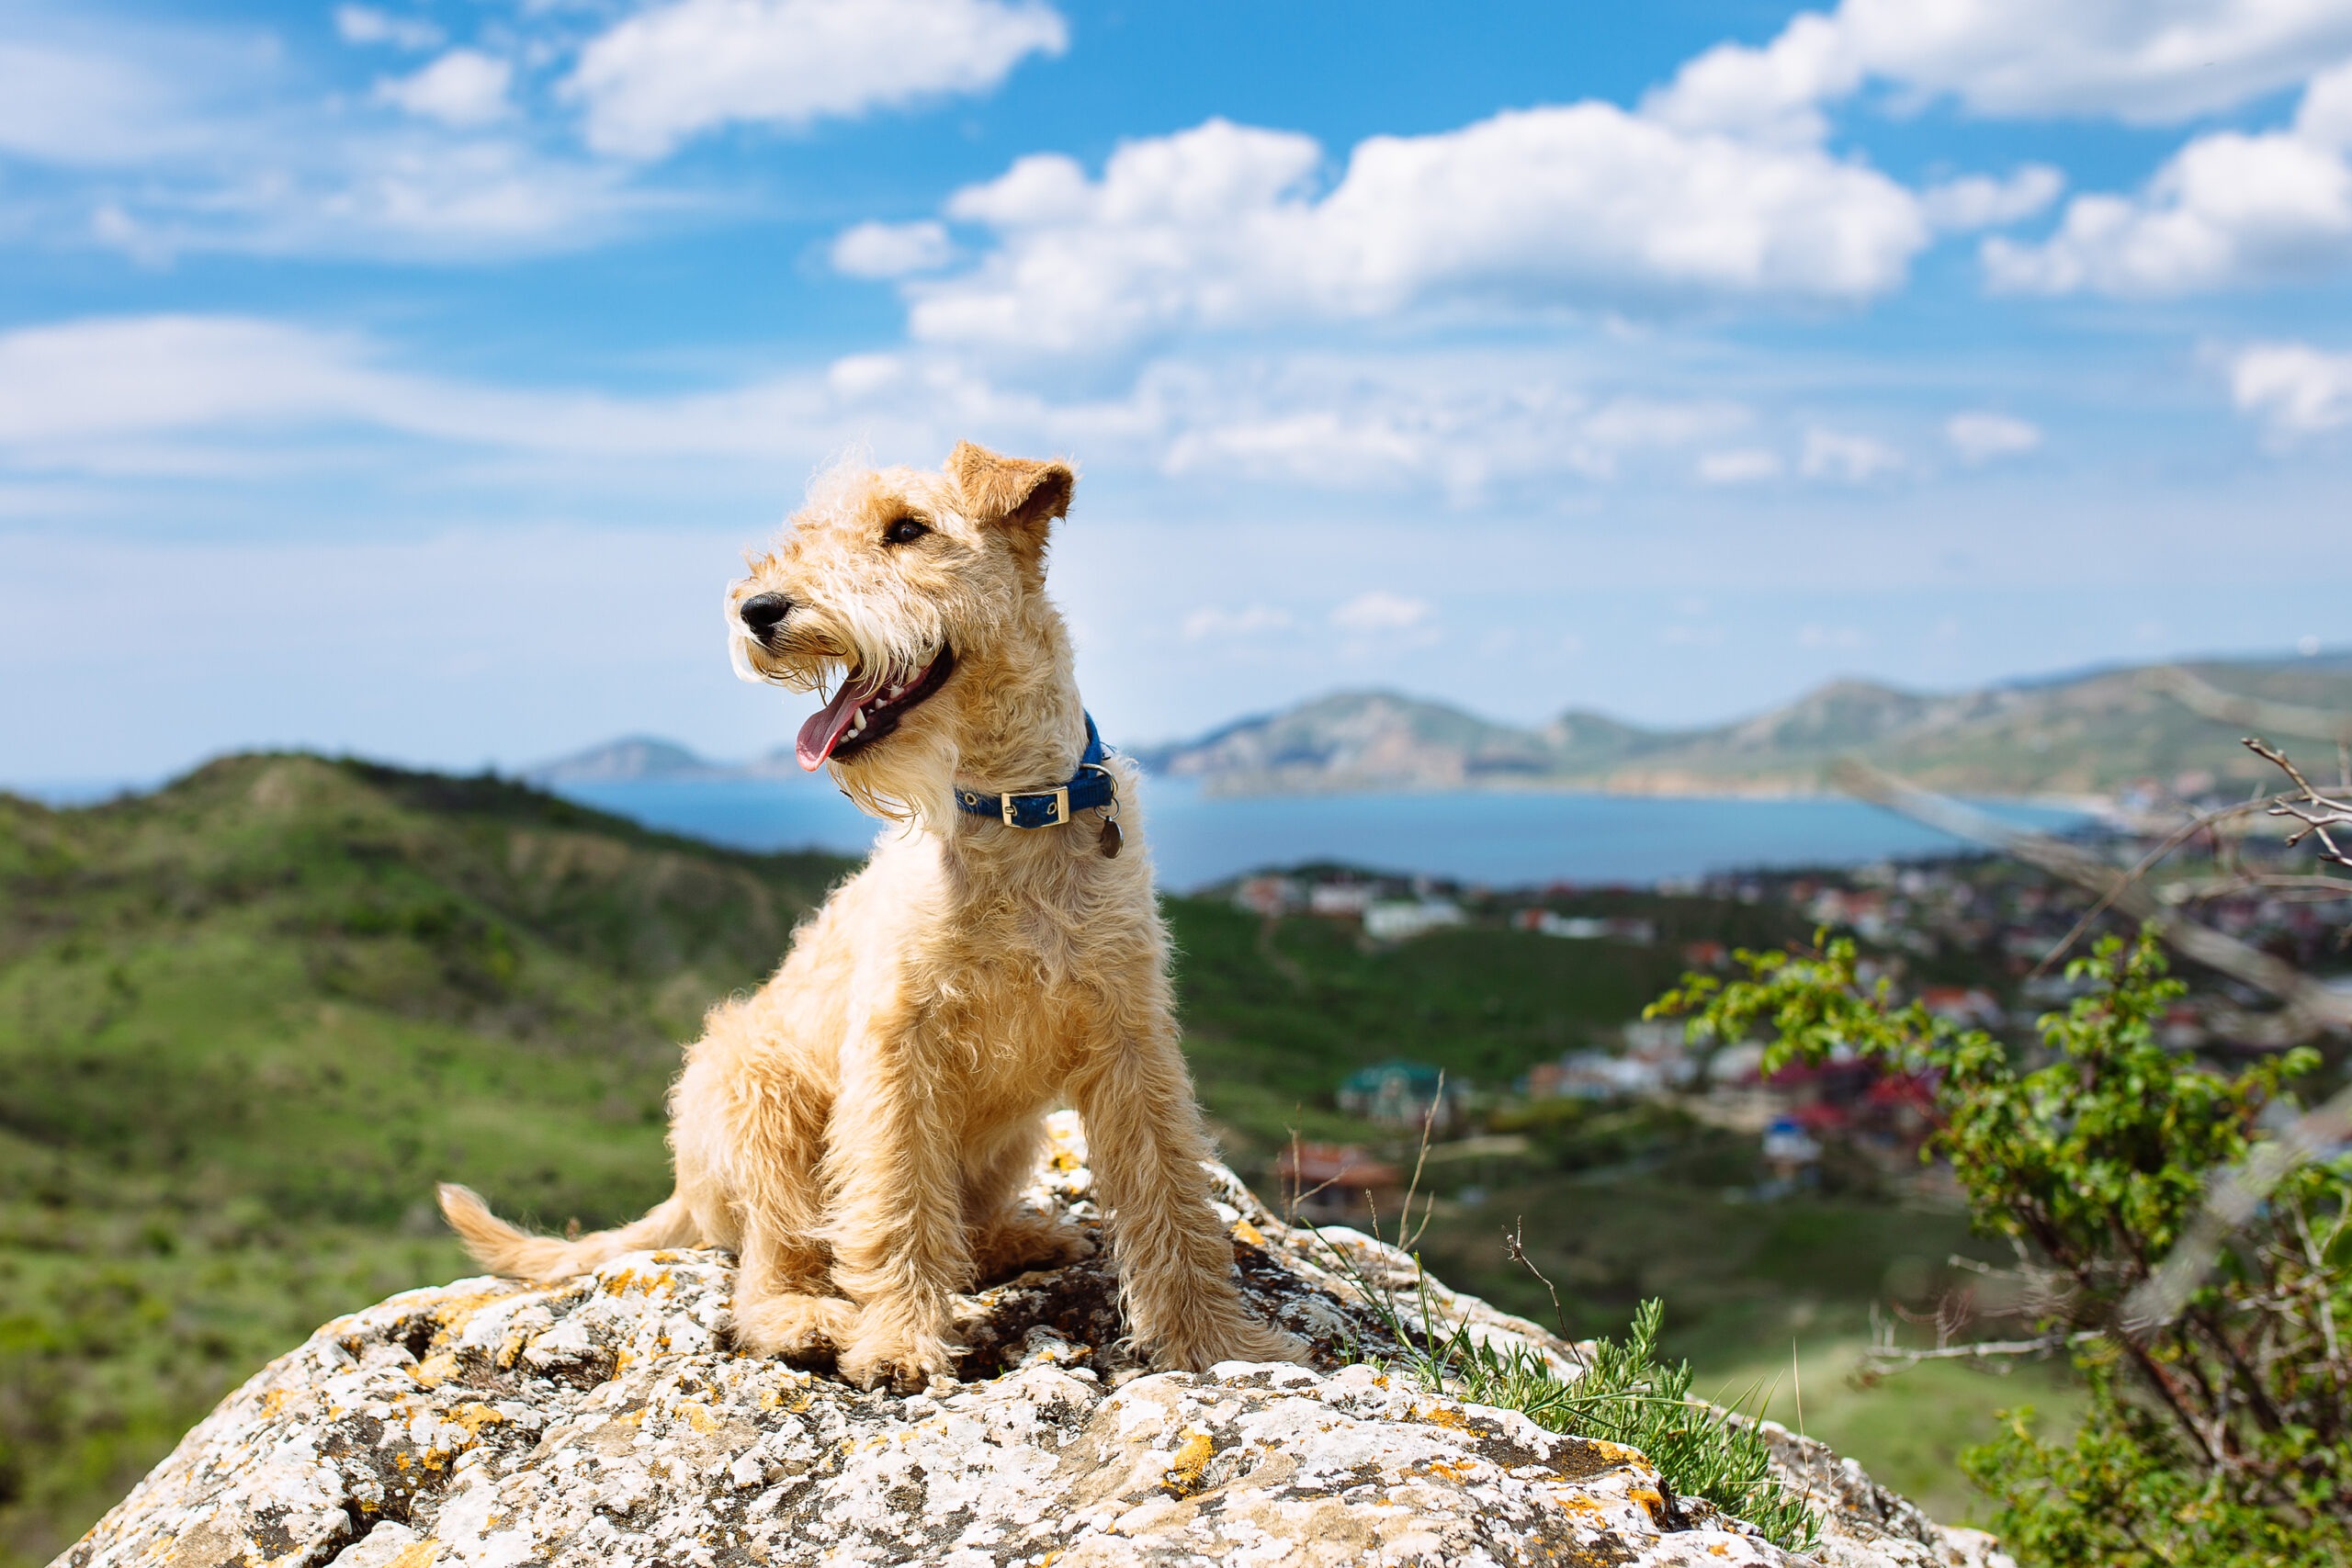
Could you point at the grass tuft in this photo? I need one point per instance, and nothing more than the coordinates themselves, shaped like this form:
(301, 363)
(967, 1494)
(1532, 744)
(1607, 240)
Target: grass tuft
(1626, 1394)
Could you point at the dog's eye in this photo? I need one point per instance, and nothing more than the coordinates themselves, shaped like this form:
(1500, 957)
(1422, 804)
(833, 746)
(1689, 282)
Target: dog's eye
(905, 531)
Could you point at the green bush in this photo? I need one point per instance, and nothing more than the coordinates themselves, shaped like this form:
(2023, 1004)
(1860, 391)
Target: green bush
(2219, 1437)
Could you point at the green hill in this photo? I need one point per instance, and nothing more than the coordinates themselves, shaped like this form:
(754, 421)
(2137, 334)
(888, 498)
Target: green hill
(246, 1021)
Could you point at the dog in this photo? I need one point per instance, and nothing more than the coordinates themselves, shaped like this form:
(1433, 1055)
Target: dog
(858, 1132)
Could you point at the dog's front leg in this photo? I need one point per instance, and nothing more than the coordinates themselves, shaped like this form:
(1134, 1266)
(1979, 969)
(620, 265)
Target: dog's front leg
(898, 1222)
(1144, 1142)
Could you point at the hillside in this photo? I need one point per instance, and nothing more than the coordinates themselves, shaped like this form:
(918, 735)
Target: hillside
(245, 1024)
(2082, 735)
(246, 1021)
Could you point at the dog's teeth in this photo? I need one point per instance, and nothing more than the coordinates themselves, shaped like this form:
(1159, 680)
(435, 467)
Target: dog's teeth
(894, 691)
(857, 724)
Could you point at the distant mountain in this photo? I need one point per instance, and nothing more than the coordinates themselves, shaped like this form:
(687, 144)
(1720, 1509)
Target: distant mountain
(632, 757)
(2086, 734)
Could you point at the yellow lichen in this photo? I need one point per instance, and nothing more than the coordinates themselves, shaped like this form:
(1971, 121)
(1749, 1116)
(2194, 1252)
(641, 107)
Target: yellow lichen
(473, 1417)
(1185, 1467)
(1244, 1231)
(416, 1554)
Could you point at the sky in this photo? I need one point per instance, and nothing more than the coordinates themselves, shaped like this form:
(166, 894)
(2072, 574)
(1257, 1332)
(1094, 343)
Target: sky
(410, 378)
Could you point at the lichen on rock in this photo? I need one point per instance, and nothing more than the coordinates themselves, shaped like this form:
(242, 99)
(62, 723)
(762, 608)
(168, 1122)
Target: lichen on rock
(607, 1420)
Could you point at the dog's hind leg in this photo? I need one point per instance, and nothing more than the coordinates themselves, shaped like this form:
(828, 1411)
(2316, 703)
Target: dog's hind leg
(1003, 1233)
(1145, 1144)
(502, 1249)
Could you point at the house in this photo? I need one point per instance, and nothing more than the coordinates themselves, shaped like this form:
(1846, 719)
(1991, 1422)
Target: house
(1587, 927)
(1333, 1180)
(1340, 900)
(1400, 922)
(1404, 1094)
(1594, 1075)
(1269, 895)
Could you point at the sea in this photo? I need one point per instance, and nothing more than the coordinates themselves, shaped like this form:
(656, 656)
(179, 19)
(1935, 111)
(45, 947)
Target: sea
(1496, 838)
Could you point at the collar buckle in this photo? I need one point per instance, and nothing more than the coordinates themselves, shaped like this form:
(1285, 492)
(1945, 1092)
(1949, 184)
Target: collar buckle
(1057, 801)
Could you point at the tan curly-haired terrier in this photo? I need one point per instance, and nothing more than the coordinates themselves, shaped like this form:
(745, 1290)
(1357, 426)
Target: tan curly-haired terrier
(859, 1131)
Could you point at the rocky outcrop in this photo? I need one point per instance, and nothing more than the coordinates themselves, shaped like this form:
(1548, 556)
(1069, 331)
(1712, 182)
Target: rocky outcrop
(606, 1420)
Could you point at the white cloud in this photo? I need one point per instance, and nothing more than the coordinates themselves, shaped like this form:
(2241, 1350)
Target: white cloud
(367, 25)
(687, 66)
(1979, 201)
(82, 104)
(1579, 204)
(1744, 464)
(2230, 207)
(418, 192)
(2138, 59)
(2295, 389)
(232, 152)
(1466, 422)
(1815, 635)
(892, 250)
(1381, 611)
(1843, 455)
(464, 87)
(1773, 94)
(1980, 435)
(169, 392)
(1211, 622)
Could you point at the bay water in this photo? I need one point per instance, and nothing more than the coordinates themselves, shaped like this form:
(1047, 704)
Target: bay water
(1500, 838)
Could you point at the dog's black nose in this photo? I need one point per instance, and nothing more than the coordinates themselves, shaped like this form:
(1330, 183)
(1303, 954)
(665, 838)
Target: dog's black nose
(765, 612)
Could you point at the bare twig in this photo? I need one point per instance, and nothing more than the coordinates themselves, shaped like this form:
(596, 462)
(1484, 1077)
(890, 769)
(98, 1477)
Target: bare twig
(2148, 862)
(2208, 701)
(2298, 992)
(1419, 1160)
(2318, 813)
(1978, 1349)
(2314, 888)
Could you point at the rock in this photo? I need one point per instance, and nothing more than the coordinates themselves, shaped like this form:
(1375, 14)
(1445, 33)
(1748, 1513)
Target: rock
(606, 1420)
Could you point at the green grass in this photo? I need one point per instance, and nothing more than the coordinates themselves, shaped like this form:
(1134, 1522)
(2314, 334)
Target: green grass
(1908, 1428)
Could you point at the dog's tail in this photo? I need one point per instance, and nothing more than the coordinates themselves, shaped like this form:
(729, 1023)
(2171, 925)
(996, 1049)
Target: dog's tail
(501, 1249)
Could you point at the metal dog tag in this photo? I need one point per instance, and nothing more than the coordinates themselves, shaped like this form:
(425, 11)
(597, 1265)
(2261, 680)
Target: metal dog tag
(1111, 839)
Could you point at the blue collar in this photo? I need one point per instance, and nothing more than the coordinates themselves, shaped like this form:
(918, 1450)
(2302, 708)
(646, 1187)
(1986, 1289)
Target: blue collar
(1091, 787)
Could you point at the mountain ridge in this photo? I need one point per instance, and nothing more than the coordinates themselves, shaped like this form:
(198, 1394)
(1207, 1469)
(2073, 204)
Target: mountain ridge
(2086, 733)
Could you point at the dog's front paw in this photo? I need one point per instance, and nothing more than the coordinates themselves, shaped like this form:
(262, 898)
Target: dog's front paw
(903, 1362)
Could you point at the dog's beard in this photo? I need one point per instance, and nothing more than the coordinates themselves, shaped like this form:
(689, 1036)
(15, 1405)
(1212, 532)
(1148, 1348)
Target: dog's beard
(911, 781)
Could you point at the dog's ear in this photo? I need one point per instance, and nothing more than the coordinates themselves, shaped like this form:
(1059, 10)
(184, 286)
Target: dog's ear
(1012, 494)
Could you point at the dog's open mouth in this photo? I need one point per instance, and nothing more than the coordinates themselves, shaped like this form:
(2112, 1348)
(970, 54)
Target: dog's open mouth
(864, 711)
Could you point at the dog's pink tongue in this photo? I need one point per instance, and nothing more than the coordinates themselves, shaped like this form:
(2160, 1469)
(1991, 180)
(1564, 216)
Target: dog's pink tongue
(825, 728)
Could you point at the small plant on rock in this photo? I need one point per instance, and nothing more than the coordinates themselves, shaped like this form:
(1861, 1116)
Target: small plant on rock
(1626, 1394)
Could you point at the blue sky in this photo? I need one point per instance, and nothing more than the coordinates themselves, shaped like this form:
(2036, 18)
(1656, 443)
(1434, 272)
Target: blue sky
(409, 378)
